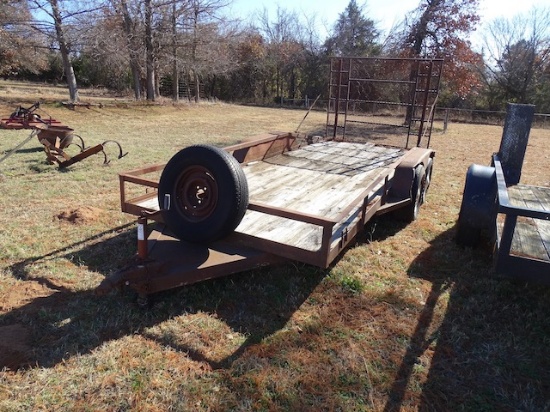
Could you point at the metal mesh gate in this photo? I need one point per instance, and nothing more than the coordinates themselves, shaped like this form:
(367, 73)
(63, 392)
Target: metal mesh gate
(391, 100)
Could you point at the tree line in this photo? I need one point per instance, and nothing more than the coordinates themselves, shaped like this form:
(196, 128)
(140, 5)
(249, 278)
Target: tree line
(190, 49)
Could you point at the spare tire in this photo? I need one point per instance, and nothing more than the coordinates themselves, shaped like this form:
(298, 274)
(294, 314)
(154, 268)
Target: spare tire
(203, 193)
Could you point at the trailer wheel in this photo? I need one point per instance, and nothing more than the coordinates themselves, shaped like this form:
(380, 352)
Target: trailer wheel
(478, 205)
(203, 193)
(410, 212)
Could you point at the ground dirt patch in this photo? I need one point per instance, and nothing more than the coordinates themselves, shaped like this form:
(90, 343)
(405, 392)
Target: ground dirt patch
(81, 215)
(21, 293)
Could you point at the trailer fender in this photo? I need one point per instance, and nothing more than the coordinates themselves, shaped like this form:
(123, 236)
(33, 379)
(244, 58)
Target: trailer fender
(203, 193)
(404, 177)
(429, 172)
(409, 212)
(477, 210)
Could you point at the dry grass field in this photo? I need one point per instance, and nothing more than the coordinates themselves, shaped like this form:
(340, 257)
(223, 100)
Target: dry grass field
(403, 320)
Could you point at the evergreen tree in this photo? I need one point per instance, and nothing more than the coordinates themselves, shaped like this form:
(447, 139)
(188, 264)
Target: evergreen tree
(353, 34)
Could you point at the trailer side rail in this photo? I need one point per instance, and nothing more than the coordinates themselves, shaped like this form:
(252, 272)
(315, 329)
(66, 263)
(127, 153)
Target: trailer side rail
(354, 190)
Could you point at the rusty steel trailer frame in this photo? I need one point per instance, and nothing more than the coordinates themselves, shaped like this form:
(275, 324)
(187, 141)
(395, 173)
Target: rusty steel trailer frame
(54, 136)
(165, 262)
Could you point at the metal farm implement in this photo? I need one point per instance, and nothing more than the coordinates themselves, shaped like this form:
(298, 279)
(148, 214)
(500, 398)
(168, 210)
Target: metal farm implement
(54, 136)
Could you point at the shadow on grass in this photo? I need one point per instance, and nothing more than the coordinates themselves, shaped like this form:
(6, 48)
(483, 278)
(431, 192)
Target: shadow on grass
(29, 150)
(67, 322)
(93, 256)
(491, 350)
(255, 304)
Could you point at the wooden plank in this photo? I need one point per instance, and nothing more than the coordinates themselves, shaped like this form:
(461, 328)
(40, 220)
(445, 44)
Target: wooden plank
(544, 230)
(278, 229)
(339, 158)
(530, 239)
(533, 235)
(321, 179)
(150, 202)
(524, 197)
(324, 194)
(283, 187)
(543, 196)
(516, 240)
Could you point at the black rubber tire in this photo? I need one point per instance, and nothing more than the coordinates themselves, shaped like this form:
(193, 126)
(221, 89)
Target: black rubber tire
(208, 193)
(477, 210)
(410, 212)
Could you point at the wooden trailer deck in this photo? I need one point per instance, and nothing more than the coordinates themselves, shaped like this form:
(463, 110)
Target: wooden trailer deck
(321, 180)
(306, 203)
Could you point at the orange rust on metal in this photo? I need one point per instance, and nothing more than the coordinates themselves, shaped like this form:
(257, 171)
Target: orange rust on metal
(58, 136)
(133, 205)
(172, 263)
(264, 147)
(54, 136)
(404, 172)
(26, 118)
(55, 153)
(367, 202)
(360, 86)
(15, 124)
(290, 214)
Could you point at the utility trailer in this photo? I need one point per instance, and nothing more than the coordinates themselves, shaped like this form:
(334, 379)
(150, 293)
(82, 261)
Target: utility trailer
(278, 197)
(513, 218)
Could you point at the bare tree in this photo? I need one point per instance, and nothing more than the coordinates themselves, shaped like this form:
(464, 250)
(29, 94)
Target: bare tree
(64, 50)
(518, 59)
(204, 24)
(283, 45)
(20, 46)
(129, 26)
(55, 18)
(175, 67)
(149, 52)
(200, 48)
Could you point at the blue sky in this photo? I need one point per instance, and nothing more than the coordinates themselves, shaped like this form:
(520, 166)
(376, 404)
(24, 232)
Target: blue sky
(384, 12)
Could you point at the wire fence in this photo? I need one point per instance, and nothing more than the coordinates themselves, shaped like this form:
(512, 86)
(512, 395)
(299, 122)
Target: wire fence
(443, 116)
(447, 115)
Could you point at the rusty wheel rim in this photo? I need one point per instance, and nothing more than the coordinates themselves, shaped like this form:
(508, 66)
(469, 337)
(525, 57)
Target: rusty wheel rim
(196, 193)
